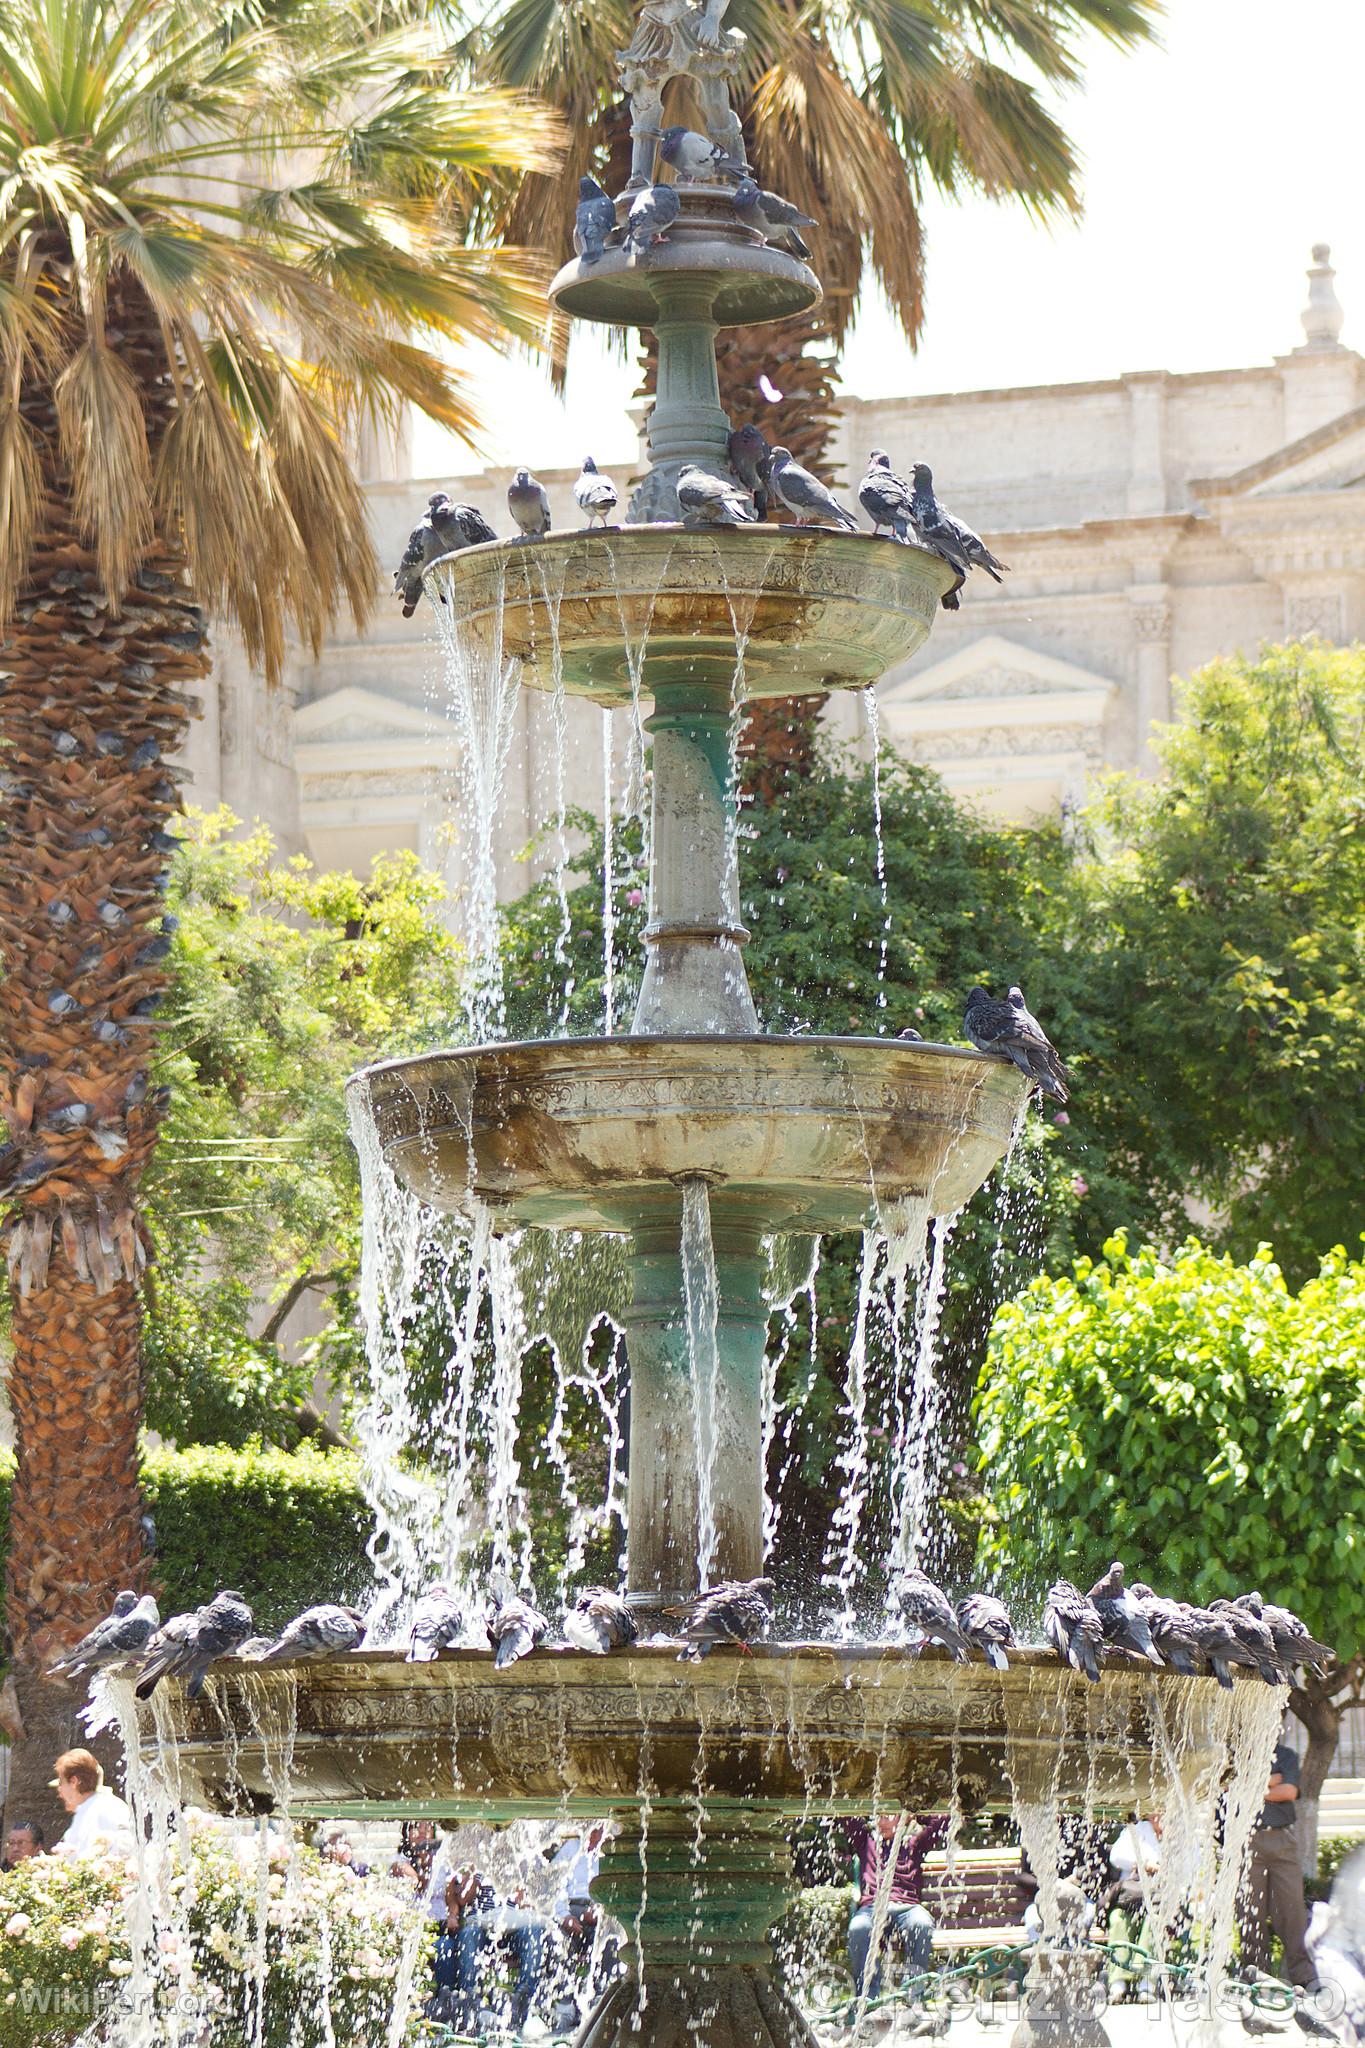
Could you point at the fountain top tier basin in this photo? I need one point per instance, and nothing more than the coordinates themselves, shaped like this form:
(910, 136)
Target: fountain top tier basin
(792, 1134)
(609, 614)
(800, 1730)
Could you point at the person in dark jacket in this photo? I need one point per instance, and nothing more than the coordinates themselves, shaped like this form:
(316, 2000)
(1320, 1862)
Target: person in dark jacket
(896, 1870)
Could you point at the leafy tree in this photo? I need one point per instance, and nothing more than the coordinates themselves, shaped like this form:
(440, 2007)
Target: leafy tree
(1203, 1421)
(229, 239)
(1217, 944)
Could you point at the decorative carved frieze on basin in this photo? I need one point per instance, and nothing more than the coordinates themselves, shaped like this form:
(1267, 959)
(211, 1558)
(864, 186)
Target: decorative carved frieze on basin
(802, 1133)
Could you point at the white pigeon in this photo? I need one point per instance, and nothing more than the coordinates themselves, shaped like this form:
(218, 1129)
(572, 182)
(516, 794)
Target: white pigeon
(594, 494)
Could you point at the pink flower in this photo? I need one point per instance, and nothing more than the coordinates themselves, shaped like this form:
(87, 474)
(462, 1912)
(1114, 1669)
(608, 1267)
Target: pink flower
(71, 1937)
(634, 898)
(782, 874)
(17, 1926)
(1079, 1186)
(1061, 1117)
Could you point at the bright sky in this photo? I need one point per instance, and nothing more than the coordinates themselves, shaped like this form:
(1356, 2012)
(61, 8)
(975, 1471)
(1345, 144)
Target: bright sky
(1211, 166)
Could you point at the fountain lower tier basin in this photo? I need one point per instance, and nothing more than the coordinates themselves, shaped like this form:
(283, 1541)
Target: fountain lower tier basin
(817, 609)
(795, 1134)
(790, 1730)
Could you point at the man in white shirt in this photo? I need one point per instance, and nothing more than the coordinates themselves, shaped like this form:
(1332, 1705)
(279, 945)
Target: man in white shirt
(100, 1820)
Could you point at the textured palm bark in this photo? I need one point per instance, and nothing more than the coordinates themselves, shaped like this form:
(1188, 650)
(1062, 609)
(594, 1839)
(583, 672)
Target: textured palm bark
(91, 706)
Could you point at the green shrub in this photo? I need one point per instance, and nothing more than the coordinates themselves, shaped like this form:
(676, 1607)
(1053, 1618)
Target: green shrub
(1333, 1851)
(811, 1939)
(285, 1528)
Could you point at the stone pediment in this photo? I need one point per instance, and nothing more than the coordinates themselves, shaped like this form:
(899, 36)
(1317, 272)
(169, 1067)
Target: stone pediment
(356, 715)
(994, 681)
(1331, 458)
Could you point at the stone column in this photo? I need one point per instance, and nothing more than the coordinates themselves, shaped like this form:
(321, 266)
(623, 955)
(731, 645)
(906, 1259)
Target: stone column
(1151, 614)
(686, 422)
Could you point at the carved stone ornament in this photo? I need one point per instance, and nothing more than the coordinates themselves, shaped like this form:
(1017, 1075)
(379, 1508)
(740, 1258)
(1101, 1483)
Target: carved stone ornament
(680, 39)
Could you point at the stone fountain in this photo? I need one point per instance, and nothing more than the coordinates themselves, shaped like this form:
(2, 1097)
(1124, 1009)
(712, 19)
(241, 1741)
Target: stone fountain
(703, 1766)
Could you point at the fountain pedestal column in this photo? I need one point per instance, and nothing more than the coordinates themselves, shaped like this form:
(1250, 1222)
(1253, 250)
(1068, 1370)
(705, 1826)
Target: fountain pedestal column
(699, 1967)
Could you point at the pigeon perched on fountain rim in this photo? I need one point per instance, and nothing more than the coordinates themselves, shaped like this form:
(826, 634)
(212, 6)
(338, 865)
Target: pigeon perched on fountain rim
(516, 1629)
(651, 215)
(777, 220)
(750, 455)
(985, 1621)
(322, 1631)
(708, 500)
(691, 154)
(811, 502)
(437, 1620)
(1073, 1628)
(1011, 1028)
(594, 219)
(194, 1643)
(885, 497)
(1121, 1616)
(736, 1612)
(529, 504)
(594, 494)
(126, 1629)
(927, 1607)
(599, 1621)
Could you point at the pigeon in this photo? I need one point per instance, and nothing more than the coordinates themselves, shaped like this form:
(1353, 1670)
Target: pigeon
(1074, 1629)
(885, 497)
(458, 526)
(985, 1621)
(1011, 1028)
(804, 495)
(318, 1632)
(594, 494)
(594, 219)
(952, 538)
(123, 1632)
(931, 1612)
(424, 545)
(910, 1035)
(516, 1628)
(1171, 1631)
(777, 220)
(738, 1612)
(1253, 1635)
(695, 156)
(749, 452)
(1216, 1641)
(598, 1621)
(1293, 1644)
(528, 504)
(193, 1643)
(437, 1620)
(1336, 1943)
(708, 500)
(651, 215)
(1121, 1616)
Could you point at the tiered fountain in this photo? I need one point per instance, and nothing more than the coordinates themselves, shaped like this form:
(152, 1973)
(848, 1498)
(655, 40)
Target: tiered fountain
(702, 1765)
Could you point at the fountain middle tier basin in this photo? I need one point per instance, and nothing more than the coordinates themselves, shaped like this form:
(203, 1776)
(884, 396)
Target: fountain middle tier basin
(798, 1729)
(817, 609)
(799, 1134)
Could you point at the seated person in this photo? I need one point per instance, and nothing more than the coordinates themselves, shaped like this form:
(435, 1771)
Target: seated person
(908, 1921)
(476, 1923)
(1134, 1859)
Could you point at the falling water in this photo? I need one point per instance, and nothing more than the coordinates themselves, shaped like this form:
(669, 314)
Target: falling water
(871, 710)
(701, 1302)
(553, 598)
(919, 1450)
(608, 879)
(843, 1564)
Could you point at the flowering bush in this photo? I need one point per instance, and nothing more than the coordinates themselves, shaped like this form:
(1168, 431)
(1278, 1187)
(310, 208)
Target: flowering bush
(237, 1927)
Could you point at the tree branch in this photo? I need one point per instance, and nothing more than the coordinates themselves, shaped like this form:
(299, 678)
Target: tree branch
(291, 1297)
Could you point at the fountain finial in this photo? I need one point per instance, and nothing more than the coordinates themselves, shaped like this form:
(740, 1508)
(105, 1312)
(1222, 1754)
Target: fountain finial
(680, 39)
(1323, 317)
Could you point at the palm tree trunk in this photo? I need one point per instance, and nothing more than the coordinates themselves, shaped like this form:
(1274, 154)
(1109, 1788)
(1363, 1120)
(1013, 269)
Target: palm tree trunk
(90, 704)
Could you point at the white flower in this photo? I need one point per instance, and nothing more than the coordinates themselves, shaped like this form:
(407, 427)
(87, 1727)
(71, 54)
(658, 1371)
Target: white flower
(71, 1937)
(17, 1926)
(119, 1968)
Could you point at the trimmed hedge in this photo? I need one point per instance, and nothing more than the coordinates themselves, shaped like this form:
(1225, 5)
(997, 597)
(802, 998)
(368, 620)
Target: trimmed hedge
(285, 1528)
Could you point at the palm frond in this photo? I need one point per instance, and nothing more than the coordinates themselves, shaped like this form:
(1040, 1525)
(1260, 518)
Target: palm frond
(104, 441)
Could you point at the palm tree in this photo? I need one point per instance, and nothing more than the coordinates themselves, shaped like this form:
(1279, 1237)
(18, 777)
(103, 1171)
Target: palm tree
(229, 240)
(852, 112)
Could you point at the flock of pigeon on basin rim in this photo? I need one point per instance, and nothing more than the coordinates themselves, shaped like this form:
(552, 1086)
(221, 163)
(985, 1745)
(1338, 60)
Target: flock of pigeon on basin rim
(761, 479)
(1111, 1620)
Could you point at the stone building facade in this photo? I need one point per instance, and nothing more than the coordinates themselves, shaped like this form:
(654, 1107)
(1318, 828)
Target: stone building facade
(1152, 521)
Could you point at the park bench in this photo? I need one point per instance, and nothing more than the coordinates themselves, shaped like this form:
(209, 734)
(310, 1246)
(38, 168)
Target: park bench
(981, 1905)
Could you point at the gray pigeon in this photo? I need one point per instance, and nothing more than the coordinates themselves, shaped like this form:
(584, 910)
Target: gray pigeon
(749, 452)
(776, 219)
(695, 156)
(804, 495)
(985, 1621)
(1253, 1635)
(214, 1630)
(437, 1622)
(651, 215)
(594, 494)
(1074, 1629)
(516, 1628)
(885, 497)
(1169, 1623)
(738, 1612)
(930, 1611)
(708, 500)
(911, 1036)
(424, 545)
(528, 504)
(458, 526)
(318, 1632)
(1293, 1644)
(1121, 1616)
(1217, 1643)
(950, 537)
(594, 219)
(123, 1632)
(1011, 1028)
(598, 1621)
